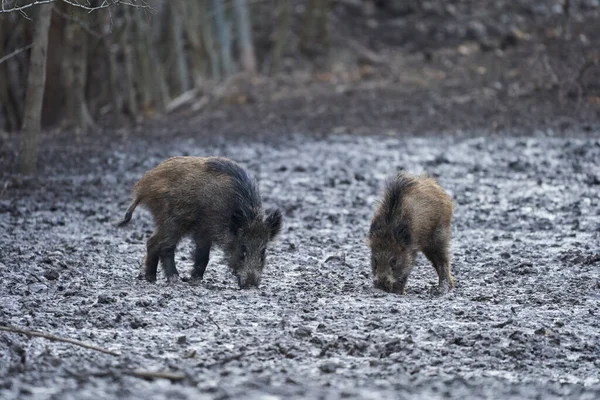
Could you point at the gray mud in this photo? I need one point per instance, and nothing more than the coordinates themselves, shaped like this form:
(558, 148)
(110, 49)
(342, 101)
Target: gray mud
(523, 321)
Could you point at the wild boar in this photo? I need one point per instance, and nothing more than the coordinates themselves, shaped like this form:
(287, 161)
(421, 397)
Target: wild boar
(213, 200)
(414, 214)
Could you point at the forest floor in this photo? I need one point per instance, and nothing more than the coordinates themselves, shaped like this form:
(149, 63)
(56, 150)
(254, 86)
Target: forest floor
(522, 322)
(515, 141)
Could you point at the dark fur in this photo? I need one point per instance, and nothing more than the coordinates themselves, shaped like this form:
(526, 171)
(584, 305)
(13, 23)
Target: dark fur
(245, 188)
(215, 201)
(413, 215)
(391, 204)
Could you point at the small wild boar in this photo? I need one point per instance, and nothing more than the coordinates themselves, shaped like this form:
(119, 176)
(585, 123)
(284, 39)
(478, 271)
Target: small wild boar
(413, 215)
(213, 200)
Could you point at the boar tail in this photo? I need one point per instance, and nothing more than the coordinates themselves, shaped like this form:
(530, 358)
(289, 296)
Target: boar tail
(129, 213)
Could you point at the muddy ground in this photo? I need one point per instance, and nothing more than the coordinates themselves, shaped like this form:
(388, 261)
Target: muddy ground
(522, 322)
(499, 102)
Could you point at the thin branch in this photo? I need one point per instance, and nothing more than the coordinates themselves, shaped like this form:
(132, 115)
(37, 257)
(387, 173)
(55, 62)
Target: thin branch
(26, 6)
(89, 9)
(214, 322)
(16, 52)
(155, 375)
(138, 373)
(56, 339)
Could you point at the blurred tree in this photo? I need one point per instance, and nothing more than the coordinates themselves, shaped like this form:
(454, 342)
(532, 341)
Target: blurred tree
(209, 41)
(192, 19)
(35, 92)
(178, 11)
(111, 50)
(74, 70)
(9, 104)
(223, 34)
(314, 31)
(281, 30)
(128, 60)
(244, 30)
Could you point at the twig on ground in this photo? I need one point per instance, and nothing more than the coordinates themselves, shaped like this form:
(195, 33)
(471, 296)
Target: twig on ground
(138, 373)
(37, 278)
(214, 322)
(173, 376)
(56, 339)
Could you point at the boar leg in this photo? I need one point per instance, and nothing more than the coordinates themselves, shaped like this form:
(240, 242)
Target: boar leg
(437, 252)
(152, 257)
(440, 260)
(161, 246)
(201, 256)
(168, 262)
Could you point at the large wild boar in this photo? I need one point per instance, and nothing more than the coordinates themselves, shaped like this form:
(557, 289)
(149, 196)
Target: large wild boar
(214, 200)
(413, 215)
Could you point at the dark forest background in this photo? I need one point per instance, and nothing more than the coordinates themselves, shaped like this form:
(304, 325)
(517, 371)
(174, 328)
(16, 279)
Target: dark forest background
(116, 64)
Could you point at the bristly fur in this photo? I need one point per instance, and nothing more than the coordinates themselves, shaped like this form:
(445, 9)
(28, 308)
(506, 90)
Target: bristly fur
(394, 193)
(244, 186)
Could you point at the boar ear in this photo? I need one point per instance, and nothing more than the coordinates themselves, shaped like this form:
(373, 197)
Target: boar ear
(402, 234)
(237, 221)
(274, 223)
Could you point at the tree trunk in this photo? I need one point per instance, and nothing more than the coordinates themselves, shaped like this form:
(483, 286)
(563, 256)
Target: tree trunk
(111, 53)
(224, 37)
(315, 25)
(283, 24)
(322, 13)
(153, 86)
(75, 68)
(245, 36)
(128, 59)
(177, 19)
(209, 42)
(8, 105)
(160, 87)
(193, 34)
(30, 132)
(143, 75)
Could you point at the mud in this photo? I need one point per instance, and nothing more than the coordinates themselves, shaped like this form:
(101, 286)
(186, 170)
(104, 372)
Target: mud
(522, 322)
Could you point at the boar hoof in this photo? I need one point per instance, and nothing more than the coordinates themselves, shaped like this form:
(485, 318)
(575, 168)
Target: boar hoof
(151, 278)
(173, 278)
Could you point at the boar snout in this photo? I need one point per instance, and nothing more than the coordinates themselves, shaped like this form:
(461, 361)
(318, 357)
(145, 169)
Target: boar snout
(248, 280)
(390, 284)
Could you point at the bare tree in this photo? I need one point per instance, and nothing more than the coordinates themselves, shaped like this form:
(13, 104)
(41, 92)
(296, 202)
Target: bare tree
(110, 48)
(283, 23)
(193, 35)
(9, 105)
(177, 25)
(315, 24)
(128, 60)
(244, 30)
(209, 42)
(74, 69)
(223, 34)
(35, 92)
